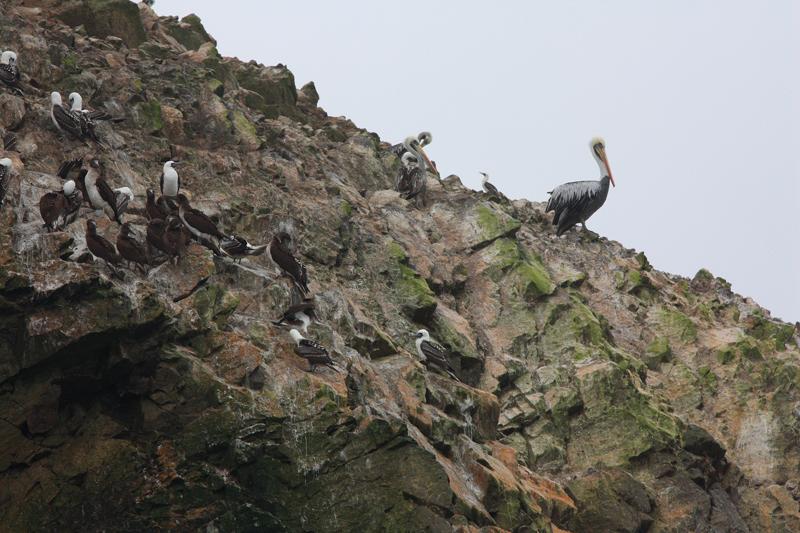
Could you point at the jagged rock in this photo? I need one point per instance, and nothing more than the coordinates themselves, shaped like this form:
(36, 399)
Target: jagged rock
(102, 18)
(136, 401)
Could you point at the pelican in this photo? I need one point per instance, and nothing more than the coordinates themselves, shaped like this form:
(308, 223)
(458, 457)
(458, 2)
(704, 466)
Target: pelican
(5, 178)
(76, 106)
(9, 71)
(576, 201)
(417, 173)
(408, 165)
(432, 354)
(422, 140)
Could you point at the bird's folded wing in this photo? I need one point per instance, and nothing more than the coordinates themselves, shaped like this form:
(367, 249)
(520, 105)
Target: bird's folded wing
(572, 195)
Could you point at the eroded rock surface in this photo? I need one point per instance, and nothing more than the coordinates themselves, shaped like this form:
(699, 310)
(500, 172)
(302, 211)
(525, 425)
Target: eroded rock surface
(597, 393)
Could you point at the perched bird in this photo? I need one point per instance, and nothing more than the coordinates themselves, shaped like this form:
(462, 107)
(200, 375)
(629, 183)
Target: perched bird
(130, 249)
(64, 119)
(418, 175)
(100, 246)
(176, 237)
(433, 354)
(312, 351)
(576, 201)
(404, 181)
(237, 247)
(170, 181)
(59, 209)
(113, 203)
(420, 141)
(300, 312)
(201, 226)
(73, 170)
(155, 235)
(281, 254)
(5, 178)
(76, 105)
(156, 208)
(490, 189)
(9, 71)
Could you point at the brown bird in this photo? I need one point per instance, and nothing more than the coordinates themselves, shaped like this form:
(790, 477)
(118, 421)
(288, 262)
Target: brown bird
(59, 209)
(282, 256)
(201, 226)
(155, 234)
(176, 237)
(130, 249)
(73, 170)
(100, 246)
(156, 208)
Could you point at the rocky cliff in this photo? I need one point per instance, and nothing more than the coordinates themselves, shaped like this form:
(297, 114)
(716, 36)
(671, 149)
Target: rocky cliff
(597, 393)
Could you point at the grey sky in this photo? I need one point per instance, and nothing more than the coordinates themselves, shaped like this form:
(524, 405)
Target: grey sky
(696, 100)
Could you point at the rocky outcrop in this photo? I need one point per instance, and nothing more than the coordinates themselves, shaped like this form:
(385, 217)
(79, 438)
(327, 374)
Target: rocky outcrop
(596, 393)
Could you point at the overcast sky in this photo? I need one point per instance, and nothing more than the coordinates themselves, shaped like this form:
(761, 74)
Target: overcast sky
(697, 101)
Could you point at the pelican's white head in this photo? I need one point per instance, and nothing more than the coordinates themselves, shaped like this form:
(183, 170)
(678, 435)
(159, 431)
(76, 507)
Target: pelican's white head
(69, 187)
(5, 162)
(423, 334)
(169, 166)
(484, 178)
(8, 58)
(75, 101)
(411, 143)
(425, 138)
(55, 98)
(408, 159)
(598, 147)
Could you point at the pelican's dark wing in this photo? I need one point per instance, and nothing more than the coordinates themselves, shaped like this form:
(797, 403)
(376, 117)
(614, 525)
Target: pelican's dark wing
(419, 184)
(51, 207)
(108, 196)
(435, 353)
(73, 206)
(574, 196)
(398, 149)
(68, 168)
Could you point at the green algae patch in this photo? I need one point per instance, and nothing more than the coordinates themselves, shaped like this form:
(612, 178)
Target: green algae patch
(677, 325)
(417, 300)
(522, 273)
(149, 117)
(494, 224)
(657, 352)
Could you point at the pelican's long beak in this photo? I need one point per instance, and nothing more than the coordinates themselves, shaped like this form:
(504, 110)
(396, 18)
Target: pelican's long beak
(608, 168)
(428, 161)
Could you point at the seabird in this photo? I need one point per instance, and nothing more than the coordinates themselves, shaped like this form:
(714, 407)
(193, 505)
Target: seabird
(156, 208)
(100, 246)
(576, 201)
(238, 247)
(176, 237)
(418, 176)
(155, 234)
(408, 163)
(64, 119)
(433, 354)
(73, 170)
(76, 105)
(9, 71)
(312, 351)
(281, 254)
(113, 203)
(130, 249)
(490, 189)
(420, 141)
(5, 178)
(170, 181)
(59, 209)
(300, 313)
(201, 226)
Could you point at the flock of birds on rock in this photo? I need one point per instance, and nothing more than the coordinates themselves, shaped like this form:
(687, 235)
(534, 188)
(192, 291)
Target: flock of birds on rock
(173, 223)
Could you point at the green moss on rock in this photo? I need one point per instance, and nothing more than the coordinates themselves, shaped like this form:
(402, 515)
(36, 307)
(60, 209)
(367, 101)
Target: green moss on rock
(657, 352)
(677, 326)
(494, 224)
(148, 115)
(417, 299)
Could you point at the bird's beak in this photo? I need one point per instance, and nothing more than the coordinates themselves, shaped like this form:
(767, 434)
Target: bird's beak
(608, 167)
(428, 161)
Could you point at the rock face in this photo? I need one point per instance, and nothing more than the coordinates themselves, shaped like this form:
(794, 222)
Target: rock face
(596, 393)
